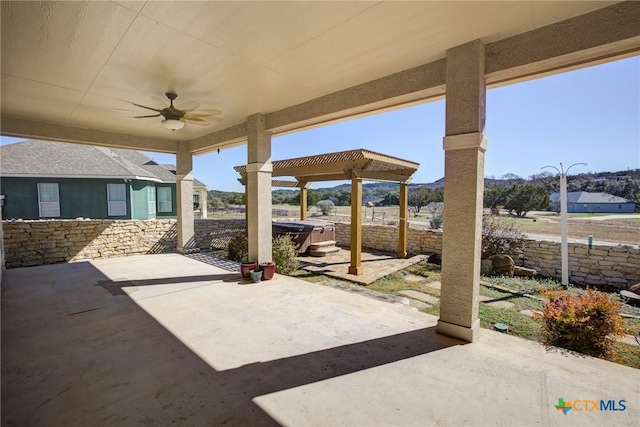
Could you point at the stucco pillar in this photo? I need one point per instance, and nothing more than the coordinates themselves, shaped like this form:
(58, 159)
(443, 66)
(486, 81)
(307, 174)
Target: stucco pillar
(464, 146)
(204, 203)
(303, 201)
(356, 225)
(184, 190)
(258, 189)
(403, 224)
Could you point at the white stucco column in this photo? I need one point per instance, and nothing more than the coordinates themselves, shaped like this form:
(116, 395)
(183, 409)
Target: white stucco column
(464, 146)
(184, 190)
(258, 189)
(204, 203)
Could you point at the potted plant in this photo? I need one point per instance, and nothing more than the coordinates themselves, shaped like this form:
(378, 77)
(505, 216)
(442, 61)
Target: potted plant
(246, 268)
(268, 270)
(256, 276)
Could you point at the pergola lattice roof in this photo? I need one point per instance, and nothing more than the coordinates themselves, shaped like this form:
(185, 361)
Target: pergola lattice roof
(365, 164)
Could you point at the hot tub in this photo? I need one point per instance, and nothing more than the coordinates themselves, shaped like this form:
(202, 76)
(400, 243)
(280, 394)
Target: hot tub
(305, 233)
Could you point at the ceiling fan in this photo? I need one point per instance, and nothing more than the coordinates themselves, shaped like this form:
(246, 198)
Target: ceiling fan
(176, 117)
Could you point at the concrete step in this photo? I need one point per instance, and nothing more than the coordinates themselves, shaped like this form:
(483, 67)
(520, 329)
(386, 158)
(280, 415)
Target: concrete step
(322, 244)
(323, 251)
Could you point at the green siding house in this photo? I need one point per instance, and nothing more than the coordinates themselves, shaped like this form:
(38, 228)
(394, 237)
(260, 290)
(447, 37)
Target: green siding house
(43, 179)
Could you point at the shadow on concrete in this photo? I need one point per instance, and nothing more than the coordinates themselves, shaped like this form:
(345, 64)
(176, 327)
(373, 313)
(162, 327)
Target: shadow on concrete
(66, 363)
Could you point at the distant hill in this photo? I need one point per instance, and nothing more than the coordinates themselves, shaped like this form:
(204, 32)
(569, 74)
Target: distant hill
(621, 183)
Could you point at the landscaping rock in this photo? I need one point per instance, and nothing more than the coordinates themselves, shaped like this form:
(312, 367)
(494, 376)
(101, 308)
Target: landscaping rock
(523, 271)
(531, 313)
(486, 267)
(635, 289)
(503, 264)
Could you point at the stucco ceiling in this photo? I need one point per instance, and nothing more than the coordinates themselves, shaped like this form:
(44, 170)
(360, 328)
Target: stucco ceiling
(78, 63)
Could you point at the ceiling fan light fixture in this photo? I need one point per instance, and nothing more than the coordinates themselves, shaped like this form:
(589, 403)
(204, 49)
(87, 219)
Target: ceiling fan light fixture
(173, 124)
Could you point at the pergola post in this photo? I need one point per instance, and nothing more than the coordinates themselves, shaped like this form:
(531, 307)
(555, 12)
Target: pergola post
(464, 146)
(304, 186)
(356, 225)
(403, 226)
(258, 189)
(184, 190)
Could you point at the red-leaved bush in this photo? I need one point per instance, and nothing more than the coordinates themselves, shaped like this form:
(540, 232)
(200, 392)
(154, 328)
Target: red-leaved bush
(587, 323)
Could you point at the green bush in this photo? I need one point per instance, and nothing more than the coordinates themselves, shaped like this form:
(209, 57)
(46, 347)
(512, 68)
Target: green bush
(284, 254)
(238, 248)
(587, 323)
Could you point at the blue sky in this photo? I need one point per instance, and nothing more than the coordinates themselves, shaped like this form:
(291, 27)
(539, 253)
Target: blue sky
(590, 115)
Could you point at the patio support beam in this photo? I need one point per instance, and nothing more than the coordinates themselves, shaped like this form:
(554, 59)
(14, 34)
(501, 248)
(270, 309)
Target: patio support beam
(184, 189)
(258, 190)
(356, 225)
(32, 129)
(403, 225)
(304, 187)
(464, 146)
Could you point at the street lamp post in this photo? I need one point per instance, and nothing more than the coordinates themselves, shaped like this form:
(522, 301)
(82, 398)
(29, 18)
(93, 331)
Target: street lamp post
(564, 246)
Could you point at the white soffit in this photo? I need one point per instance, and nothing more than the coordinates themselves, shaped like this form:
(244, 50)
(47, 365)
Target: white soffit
(78, 63)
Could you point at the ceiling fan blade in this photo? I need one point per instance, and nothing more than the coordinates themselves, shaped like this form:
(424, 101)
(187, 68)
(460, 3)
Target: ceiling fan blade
(158, 102)
(142, 117)
(197, 122)
(208, 111)
(188, 106)
(193, 119)
(148, 108)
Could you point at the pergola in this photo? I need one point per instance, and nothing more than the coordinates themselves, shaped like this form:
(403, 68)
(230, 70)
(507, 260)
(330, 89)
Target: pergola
(355, 165)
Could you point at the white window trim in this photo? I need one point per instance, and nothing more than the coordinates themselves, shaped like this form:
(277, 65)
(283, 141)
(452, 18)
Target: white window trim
(52, 208)
(151, 200)
(162, 204)
(116, 207)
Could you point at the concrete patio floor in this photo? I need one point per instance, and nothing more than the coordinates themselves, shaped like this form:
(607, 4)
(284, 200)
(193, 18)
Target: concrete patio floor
(168, 340)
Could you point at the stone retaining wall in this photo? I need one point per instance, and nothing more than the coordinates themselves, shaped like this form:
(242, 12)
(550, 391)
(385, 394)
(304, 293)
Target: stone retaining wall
(601, 265)
(28, 243)
(37, 242)
(385, 238)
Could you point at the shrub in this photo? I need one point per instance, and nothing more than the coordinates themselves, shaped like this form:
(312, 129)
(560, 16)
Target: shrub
(436, 221)
(284, 254)
(586, 323)
(238, 248)
(500, 237)
(325, 206)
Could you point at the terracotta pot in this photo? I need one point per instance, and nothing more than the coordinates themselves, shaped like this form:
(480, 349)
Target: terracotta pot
(268, 270)
(246, 267)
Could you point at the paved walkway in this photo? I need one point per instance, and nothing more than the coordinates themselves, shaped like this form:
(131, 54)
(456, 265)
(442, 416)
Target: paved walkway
(376, 265)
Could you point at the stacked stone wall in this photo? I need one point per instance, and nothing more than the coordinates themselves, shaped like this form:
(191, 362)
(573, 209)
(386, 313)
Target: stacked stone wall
(385, 238)
(29, 243)
(617, 266)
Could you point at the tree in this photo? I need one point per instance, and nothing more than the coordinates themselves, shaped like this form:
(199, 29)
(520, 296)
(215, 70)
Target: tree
(325, 206)
(422, 196)
(495, 198)
(392, 198)
(521, 199)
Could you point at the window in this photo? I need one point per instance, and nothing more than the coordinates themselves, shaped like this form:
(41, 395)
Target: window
(116, 200)
(151, 200)
(48, 199)
(164, 199)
